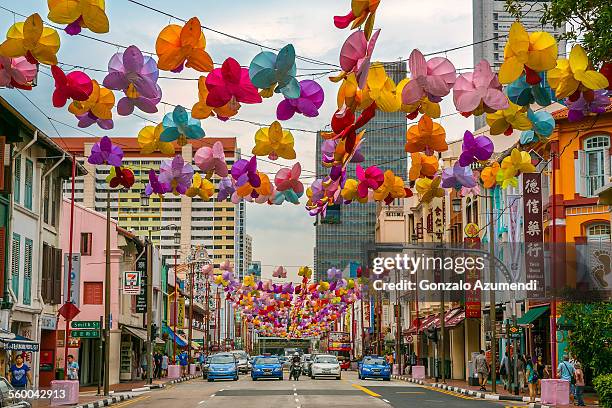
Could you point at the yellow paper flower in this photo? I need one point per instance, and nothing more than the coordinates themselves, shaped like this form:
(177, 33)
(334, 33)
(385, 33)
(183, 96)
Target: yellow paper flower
(571, 73)
(426, 136)
(305, 272)
(265, 189)
(99, 103)
(249, 281)
(148, 139)
(201, 110)
(90, 12)
(488, 175)
(201, 187)
(32, 40)
(274, 142)
(536, 51)
(422, 166)
(504, 121)
(506, 182)
(349, 191)
(424, 105)
(381, 89)
(391, 188)
(428, 188)
(517, 162)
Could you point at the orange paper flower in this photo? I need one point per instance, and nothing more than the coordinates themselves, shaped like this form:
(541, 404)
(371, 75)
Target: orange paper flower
(426, 136)
(178, 45)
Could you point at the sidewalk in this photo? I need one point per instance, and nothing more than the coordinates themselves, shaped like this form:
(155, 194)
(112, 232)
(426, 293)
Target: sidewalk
(119, 392)
(462, 387)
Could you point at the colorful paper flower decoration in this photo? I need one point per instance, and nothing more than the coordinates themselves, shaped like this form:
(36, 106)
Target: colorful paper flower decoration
(355, 56)
(457, 177)
(505, 121)
(201, 110)
(575, 74)
(344, 127)
(230, 82)
(532, 53)
(426, 136)
(479, 91)
(362, 11)
(245, 171)
(429, 189)
(308, 103)
(381, 89)
(289, 179)
(524, 94)
(543, 125)
(269, 71)
(136, 75)
(263, 190)
(226, 189)
(305, 272)
(391, 188)
(291, 196)
(280, 272)
(334, 274)
(154, 186)
(349, 96)
(177, 174)
(120, 176)
(17, 73)
(178, 46)
(105, 152)
(488, 175)
(180, 126)
(433, 79)
(423, 105)
(149, 141)
(369, 179)
(517, 162)
(350, 193)
(79, 14)
(422, 165)
(274, 142)
(201, 187)
(96, 109)
(475, 149)
(32, 40)
(76, 85)
(211, 160)
(582, 107)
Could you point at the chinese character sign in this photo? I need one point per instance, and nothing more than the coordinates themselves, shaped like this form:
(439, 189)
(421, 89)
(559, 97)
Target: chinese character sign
(533, 231)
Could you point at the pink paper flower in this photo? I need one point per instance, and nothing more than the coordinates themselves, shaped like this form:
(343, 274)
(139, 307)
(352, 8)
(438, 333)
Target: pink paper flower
(433, 79)
(211, 160)
(75, 85)
(289, 179)
(230, 82)
(479, 87)
(355, 55)
(17, 73)
(369, 179)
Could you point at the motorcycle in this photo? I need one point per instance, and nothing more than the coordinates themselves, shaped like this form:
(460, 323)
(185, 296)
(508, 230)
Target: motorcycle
(295, 371)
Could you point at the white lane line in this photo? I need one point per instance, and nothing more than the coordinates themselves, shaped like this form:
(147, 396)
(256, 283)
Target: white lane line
(222, 389)
(295, 394)
(212, 395)
(387, 401)
(201, 402)
(297, 401)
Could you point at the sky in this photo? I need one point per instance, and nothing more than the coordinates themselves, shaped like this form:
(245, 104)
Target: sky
(282, 235)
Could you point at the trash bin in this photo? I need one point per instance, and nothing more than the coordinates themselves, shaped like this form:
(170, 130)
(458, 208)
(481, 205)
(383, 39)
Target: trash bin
(59, 374)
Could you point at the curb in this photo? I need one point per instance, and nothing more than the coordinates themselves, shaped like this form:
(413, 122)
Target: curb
(106, 402)
(472, 393)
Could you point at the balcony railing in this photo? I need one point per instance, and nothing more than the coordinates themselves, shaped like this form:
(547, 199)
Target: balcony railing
(594, 183)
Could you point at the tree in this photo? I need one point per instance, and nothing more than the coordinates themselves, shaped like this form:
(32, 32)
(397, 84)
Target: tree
(586, 21)
(590, 340)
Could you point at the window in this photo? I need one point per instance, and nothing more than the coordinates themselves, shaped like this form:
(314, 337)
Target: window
(16, 251)
(46, 199)
(27, 272)
(594, 163)
(51, 276)
(17, 185)
(85, 243)
(93, 293)
(598, 232)
(29, 184)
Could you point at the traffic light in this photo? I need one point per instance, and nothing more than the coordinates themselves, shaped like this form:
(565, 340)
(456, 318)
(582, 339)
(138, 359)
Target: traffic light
(154, 331)
(432, 334)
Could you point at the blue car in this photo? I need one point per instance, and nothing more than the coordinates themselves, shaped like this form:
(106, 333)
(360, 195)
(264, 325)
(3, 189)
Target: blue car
(266, 367)
(374, 367)
(222, 366)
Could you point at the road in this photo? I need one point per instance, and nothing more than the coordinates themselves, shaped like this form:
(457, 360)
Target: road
(306, 393)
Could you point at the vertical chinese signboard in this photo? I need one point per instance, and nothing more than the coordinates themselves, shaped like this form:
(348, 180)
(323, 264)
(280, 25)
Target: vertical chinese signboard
(141, 298)
(533, 232)
(472, 296)
(75, 277)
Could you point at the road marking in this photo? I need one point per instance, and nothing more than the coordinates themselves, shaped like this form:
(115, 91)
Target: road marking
(387, 401)
(364, 389)
(410, 392)
(295, 394)
(131, 401)
(212, 395)
(201, 402)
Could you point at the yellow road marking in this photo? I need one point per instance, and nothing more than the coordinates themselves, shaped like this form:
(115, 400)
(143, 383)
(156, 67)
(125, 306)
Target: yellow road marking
(454, 394)
(364, 389)
(131, 401)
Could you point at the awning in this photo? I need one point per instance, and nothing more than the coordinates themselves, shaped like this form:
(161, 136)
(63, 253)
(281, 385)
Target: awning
(455, 318)
(137, 332)
(532, 315)
(428, 322)
(180, 341)
(19, 343)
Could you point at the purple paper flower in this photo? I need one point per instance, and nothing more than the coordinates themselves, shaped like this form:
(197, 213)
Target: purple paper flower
(244, 171)
(458, 177)
(334, 274)
(581, 107)
(475, 149)
(328, 150)
(87, 119)
(226, 188)
(308, 103)
(105, 152)
(154, 186)
(177, 174)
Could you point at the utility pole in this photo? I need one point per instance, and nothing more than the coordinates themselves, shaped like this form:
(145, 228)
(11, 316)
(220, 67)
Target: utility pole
(492, 308)
(442, 306)
(207, 317)
(149, 255)
(175, 307)
(107, 299)
(190, 308)
(69, 277)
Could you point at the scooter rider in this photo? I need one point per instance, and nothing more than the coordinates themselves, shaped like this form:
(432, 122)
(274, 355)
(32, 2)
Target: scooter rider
(295, 368)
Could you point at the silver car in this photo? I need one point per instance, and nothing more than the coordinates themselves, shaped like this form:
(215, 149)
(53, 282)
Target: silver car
(243, 359)
(7, 398)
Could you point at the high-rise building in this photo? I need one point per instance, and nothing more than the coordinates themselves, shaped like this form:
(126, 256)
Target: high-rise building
(342, 234)
(210, 223)
(248, 252)
(491, 25)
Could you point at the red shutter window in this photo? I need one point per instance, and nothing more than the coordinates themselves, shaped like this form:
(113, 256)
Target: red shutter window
(93, 293)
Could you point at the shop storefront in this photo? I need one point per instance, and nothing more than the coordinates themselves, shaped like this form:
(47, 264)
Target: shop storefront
(11, 345)
(48, 339)
(133, 343)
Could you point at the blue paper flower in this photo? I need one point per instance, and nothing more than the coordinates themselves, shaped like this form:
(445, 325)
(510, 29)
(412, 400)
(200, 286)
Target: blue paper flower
(180, 126)
(268, 69)
(523, 94)
(543, 126)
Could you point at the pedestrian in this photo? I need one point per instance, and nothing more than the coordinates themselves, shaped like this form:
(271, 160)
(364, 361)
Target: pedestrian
(543, 373)
(158, 365)
(565, 371)
(164, 365)
(184, 363)
(504, 371)
(579, 375)
(143, 364)
(532, 379)
(73, 368)
(482, 368)
(19, 374)
(520, 368)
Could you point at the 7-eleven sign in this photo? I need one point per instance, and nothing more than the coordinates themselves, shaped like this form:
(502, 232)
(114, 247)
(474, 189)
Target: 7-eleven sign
(131, 282)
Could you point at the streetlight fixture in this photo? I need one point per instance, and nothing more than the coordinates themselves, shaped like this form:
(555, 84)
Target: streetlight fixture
(177, 238)
(456, 203)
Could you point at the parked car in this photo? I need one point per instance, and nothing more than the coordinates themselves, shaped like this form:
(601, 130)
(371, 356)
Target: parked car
(8, 399)
(306, 361)
(242, 358)
(266, 367)
(345, 363)
(374, 367)
(325, 365)
(222, 366)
